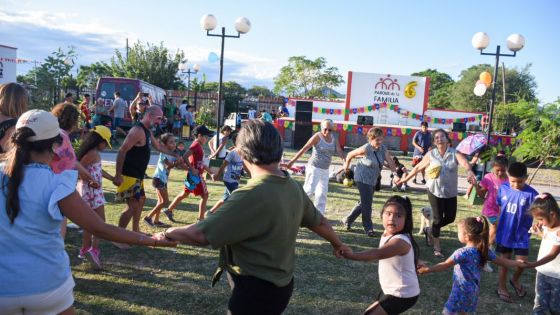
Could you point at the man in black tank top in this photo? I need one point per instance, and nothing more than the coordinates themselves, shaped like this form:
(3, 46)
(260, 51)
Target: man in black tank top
(132, 160)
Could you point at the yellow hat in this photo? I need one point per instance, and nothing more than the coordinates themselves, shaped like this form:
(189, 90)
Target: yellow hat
(105, 133)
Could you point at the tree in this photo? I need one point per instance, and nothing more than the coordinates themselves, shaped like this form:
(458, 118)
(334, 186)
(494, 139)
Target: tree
(441, 85)
(89, 75)
(46, 80)
(257, 90)
(520, 85)
(306, 78)
(540, 138)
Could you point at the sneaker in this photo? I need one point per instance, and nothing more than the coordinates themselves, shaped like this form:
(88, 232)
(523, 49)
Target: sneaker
(395, 188)
(370, 233)
(159, 224)
(93, 256)
(403, 188)
(487, 268)
(82, 254)
(414, 181)
(149, 222)
(348, 225)
(423, 182)
(169, 215)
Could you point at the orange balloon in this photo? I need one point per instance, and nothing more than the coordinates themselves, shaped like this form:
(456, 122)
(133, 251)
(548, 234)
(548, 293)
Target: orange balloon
(486, 78)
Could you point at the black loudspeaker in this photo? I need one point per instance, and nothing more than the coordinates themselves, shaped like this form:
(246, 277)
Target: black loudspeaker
(303, 123)
(365, 120)
(461, 127)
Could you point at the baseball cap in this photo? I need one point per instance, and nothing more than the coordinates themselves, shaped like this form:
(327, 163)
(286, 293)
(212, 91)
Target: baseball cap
(202, 130)
(105, 133)
(44, 124)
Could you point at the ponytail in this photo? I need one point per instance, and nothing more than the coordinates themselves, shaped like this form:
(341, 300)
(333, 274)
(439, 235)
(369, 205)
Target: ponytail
(477, 229)
(19, 156)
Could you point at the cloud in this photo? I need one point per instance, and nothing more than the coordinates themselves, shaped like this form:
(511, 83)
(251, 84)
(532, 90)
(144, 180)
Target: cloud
(37, 34)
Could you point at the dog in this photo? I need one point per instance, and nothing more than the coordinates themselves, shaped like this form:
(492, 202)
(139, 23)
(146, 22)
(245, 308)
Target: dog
(426, 219)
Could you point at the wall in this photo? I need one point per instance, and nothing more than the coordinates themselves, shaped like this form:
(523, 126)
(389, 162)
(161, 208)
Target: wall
(8, 62)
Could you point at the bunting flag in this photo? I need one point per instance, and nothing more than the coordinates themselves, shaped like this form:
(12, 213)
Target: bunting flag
(17, 60)
(396, 109)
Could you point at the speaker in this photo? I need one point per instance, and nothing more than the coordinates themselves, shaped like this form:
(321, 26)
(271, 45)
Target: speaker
(365, 120)
(461, 127)
(303, 123)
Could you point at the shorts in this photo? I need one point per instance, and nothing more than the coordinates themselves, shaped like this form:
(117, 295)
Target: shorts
(199, 190)
(416, 159)
(516, 251)
(395, 305)
(251, 295)
(158, 184)
(230, 187)
(130, 188)
(492, 219)
(117, 122)
(52, 302)
(177, 124)
(478, 174)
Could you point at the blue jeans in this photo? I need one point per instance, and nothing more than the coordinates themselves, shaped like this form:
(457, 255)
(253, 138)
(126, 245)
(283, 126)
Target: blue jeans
(363, 207)
(230, 187)
(547, 295)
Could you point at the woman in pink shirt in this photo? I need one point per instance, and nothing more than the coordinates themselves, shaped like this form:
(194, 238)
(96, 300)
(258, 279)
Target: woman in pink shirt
(488, 189)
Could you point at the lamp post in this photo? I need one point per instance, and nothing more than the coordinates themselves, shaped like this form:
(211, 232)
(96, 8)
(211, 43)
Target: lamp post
(242, 26)
(480, 41)
(185, 69)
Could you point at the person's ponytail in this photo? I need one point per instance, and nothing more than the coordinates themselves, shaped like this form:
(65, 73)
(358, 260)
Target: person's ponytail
(16, 159)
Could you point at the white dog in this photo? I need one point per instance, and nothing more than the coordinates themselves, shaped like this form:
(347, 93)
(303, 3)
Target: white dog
(426, 219)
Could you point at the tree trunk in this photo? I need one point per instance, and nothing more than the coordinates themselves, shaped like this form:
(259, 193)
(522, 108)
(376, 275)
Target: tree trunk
(535, 172)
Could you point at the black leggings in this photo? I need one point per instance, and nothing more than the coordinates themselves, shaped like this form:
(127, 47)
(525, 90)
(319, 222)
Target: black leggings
(252, 295)
(444, 211)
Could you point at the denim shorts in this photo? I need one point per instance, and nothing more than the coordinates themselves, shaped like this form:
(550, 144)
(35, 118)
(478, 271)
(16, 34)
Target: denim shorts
(230, 187)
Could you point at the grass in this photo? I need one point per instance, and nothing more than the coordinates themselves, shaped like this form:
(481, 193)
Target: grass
(177, 281)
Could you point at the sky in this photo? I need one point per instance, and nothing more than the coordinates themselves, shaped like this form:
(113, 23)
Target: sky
(394, 37)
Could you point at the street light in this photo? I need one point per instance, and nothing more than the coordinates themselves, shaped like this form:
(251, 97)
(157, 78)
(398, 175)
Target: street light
(480, 41)
(242, 26)
(185, 69)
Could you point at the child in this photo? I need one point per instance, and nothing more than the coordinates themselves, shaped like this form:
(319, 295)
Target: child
(160, 178)
(468, 261)
(401, 170)
(233, 164)
(91, 191)
(398, 256)
(514, 199)
(177, 125)
(488, 189)
(547, 287)
(195, 154)
(180, 148)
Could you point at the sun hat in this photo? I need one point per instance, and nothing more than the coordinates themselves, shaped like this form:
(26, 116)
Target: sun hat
(105, 133)
(44, 124)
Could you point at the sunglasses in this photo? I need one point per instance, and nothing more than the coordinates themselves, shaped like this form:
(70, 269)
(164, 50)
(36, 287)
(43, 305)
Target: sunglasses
(327, 129)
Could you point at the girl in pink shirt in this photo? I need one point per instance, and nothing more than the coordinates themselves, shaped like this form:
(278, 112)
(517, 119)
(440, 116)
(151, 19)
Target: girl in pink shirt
(488, 189)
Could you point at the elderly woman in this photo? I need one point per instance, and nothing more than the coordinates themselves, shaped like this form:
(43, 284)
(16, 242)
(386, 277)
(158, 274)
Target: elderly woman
(13, 102)
(368, 169)
(324, 145)
(441, 166)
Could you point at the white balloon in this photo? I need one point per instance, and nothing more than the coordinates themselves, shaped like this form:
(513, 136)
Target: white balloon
(479, 89)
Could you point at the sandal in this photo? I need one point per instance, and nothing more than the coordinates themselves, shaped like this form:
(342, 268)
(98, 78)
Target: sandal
(504, 296)
(519, 291)
(438, 253)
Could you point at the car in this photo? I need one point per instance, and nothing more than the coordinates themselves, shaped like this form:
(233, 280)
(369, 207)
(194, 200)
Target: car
(236, 119)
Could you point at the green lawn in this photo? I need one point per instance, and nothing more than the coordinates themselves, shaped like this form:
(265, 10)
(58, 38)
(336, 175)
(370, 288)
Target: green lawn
(167, 281)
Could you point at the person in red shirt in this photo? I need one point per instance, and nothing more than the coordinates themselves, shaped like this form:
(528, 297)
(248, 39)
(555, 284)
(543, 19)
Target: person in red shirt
(84, 110)
(195, 154)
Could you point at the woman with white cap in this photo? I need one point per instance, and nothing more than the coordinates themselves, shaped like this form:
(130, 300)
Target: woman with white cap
(36, 276)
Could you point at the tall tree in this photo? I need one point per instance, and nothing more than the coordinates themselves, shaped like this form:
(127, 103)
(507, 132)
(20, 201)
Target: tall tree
(441, 85)
(257, 90)
(520, 85)
(306, 78)
(89, 75)
(540, 138)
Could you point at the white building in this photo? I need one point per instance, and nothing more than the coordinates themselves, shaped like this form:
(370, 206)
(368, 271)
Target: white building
(8, 62)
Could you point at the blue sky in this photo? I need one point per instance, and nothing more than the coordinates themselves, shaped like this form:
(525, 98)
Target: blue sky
(397, 37)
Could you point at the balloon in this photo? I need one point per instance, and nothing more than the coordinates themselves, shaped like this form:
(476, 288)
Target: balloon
(486, 77)
(347, 182)
(213, 57)
(479, 89)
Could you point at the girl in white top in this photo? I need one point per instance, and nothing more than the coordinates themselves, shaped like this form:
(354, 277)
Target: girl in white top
(221, 150)
(547, 287)
(398, 257)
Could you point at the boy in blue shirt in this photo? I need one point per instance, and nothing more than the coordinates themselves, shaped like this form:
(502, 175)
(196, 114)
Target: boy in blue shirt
(514, 199)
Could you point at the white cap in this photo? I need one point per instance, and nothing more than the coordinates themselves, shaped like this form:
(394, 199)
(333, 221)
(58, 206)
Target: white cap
(43, 123)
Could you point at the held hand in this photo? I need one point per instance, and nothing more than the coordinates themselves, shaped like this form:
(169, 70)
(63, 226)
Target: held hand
(117, 180)
(423, 270)
(342, 250)
(162, 241)
(471, 178)
(93, 184)
(421, 150)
